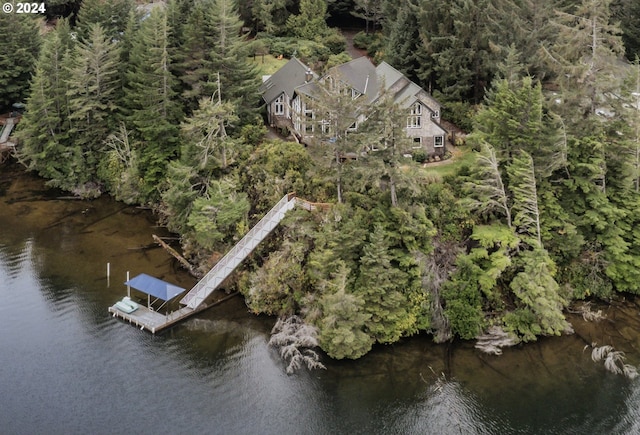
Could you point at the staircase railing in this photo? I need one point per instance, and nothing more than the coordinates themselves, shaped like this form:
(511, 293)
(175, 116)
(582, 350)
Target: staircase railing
(238, 253)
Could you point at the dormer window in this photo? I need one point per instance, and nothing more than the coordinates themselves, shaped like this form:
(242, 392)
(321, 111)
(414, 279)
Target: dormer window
(354, 94)
(415, 119)
(435, 114)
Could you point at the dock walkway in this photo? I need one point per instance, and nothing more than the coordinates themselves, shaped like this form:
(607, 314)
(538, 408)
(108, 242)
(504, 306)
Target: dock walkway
(194, 300)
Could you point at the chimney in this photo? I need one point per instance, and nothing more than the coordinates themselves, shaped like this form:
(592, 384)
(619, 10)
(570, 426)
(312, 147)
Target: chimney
(308, 75)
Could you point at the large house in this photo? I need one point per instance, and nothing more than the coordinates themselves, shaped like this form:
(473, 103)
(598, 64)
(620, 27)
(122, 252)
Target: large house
(289, 92)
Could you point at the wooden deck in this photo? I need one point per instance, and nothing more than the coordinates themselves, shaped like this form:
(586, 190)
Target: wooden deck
(152, 321)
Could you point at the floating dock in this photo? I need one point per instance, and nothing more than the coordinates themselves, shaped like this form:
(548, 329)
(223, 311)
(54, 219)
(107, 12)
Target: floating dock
(152, 321)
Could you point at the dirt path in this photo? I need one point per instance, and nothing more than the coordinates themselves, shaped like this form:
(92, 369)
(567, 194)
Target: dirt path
(351, 49)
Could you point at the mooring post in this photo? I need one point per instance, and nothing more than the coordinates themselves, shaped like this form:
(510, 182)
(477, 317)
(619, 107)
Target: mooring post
(108, 273)
(128, 286)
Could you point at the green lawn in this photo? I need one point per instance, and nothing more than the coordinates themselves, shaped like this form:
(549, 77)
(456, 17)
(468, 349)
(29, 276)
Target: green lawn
(268, 64)
(461, 156)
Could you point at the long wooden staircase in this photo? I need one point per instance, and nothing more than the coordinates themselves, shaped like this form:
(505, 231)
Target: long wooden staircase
(238, 253)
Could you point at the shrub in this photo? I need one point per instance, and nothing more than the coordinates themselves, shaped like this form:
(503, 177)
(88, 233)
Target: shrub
(362, 40)
(253, 134)
(335, 42)
(419, 156)
(372, 42)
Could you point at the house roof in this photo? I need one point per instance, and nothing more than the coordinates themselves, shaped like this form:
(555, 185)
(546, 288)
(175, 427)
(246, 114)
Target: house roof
(309, 89)
(286, 79)
(154, 287)
(404, 91)
(360, 74)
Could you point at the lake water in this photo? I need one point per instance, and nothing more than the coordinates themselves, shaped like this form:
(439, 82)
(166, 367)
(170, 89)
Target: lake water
(68, 367)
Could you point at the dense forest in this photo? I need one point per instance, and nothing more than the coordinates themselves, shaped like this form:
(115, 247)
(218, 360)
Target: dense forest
(160, 106)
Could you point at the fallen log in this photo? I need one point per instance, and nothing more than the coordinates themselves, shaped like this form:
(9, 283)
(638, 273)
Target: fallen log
(192, 270)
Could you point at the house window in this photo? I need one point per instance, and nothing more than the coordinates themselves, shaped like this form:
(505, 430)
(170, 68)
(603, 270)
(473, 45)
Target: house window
(353, 127)
(326, 127)
(415, 119)
(354, 94)
(278, 105)
(417, 143)
(308, 118)
(296, 106)
(435, 114)
(438, 141)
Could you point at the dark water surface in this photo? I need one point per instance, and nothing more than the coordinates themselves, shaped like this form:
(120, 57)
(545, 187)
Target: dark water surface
(67, 367)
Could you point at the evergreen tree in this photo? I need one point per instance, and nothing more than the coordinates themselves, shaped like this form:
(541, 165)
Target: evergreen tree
(384, 134)
(473, 285)
(196, 72)
(584, 57)
(93, 82)
(464, 61)
(119, 168)
(403, 45)
(310, 22)
(525, 197)
(341, 332)
(20, 42)
(239, 80)
(627, 13)
(111, 15)
(269, 15)
(539, 295)
(512, 119)
(371, 11)
(486, 190)
(44, 129)
(523, 25)
(153, 114)
(218, 215)
(435, 28)
(206, 150)
(628, 112)
(209, 146)
(336, 117)
(380, 284)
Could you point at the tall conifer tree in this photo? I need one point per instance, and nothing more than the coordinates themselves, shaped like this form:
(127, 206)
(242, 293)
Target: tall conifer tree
(93, 83)
(44, 129)
(153, 114)
(20, 45)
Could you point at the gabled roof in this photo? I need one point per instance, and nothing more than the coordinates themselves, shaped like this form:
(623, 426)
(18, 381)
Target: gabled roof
(360, 74)
(404, 91)
(286, 79)
(309, 89)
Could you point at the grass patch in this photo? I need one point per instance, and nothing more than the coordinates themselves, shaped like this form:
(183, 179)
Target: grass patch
(461, 156)
(267, 64)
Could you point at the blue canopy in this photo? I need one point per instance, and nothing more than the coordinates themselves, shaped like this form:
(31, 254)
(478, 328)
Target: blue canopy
(154, 287)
